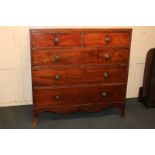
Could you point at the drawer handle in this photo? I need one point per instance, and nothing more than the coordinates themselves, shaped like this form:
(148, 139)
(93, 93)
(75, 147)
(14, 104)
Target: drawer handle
(57, 58)
(107, 40)
(57, 77)
(56, 40)
(107, 57)
(57, 97)
(104, 94)
(106, 75)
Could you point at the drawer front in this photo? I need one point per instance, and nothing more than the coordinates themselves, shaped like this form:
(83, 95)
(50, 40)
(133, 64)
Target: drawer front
(79, 75)
(79, 95)
(79, 56)
(107, 39)
(45, 40)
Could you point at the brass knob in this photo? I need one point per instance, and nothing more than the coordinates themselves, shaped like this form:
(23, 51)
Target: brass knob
(107, 57)
(57, 97)
(57, 58)
(56, 40)
(107, 40)
(57, 77)
(104, 94)
(106, 75)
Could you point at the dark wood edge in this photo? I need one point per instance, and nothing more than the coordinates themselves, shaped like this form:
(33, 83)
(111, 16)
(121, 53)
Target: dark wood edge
(76, 47)
(49, 67)
(78, 86)
(128, 62)
(31, 67)
(34, 49)
(71, 30)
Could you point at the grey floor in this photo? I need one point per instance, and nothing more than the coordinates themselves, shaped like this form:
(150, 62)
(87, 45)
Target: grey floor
(137, 117)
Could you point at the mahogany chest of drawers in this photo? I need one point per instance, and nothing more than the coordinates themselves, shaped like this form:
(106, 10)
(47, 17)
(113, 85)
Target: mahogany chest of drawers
(79, 69)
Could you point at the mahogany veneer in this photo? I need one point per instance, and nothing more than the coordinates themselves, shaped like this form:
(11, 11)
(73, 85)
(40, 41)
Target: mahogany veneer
(79, 69)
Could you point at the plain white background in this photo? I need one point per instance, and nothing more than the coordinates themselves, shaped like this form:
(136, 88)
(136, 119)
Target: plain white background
(77, 13)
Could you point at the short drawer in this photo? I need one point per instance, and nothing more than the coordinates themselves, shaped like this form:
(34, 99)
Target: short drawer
(107, 39)
(47, 40)
(79, 56)
(79, 95)
(79, 75)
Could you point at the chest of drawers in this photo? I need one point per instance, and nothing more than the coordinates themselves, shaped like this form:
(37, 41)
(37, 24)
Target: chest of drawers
(79, 69)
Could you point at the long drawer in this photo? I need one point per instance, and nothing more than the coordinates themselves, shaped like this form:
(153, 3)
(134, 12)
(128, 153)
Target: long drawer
(79, 95)
(79, 56)
(80, 75)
